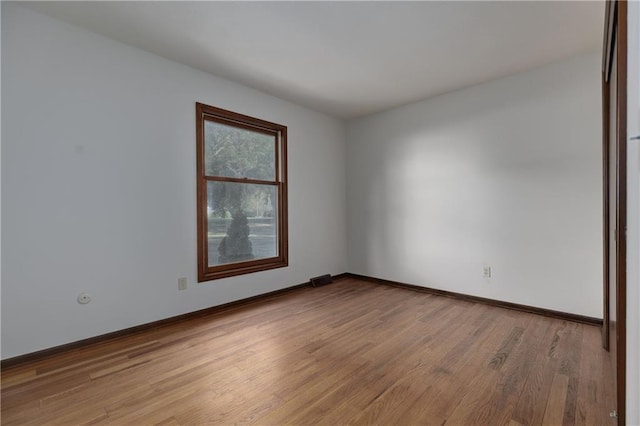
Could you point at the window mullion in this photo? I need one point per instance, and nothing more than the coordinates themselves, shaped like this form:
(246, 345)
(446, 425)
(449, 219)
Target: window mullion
(239, 180)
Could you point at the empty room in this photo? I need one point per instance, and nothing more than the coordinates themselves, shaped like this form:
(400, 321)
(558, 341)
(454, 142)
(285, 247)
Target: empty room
(411, 213)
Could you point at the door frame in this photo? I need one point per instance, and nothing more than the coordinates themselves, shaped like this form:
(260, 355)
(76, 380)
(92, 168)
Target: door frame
(616, 32)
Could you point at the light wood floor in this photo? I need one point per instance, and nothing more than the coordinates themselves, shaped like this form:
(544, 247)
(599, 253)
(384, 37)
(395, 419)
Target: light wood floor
(351, 352)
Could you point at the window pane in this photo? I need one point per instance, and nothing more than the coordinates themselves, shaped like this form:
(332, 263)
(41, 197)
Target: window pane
(234, 152)
(242, 222)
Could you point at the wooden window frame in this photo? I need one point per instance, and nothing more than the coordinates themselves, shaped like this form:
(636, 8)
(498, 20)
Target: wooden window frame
(206, 113)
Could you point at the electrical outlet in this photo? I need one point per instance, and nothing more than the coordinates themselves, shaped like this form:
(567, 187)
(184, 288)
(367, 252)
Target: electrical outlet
(182, 283)
(486, 272)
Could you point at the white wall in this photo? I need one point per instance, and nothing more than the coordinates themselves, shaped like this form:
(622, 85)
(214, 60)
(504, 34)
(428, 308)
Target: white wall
(506, 174)
(633, 215)
(98, 185)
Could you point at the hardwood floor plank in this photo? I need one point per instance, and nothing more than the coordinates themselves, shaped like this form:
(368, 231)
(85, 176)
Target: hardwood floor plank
(514, 373)
(491, 398)
(352, 352)
(554, 411)
(569, 417)
(450, 377)
(532, 402)
(507, 346)
(595, 399)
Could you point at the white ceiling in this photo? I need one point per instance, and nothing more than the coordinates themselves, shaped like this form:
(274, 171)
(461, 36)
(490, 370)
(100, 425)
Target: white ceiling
(348, 59)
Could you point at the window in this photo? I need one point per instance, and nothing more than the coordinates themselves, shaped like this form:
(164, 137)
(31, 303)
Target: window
(242, 193)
